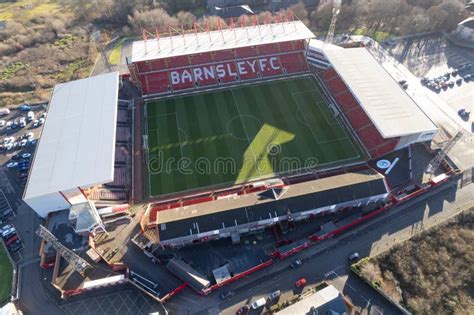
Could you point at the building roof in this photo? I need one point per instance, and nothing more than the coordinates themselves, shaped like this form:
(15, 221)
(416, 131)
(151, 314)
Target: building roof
(77, 144)
(325, 301)
(389, 107)
(214, 215)
(192, 43)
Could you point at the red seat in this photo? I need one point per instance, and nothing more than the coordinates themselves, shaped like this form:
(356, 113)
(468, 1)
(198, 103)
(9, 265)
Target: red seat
(202, 58)
(358, 118)
(222, 55)
(157, 82)
(267, 49)
(244, 52)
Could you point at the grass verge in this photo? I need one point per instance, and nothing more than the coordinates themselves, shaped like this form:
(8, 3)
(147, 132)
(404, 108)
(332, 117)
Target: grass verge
(6, 273)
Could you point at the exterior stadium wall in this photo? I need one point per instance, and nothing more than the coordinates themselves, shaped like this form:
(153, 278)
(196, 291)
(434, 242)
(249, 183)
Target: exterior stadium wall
(190, 72)
(262, 224)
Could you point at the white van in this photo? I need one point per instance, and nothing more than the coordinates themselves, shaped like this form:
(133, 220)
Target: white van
(259, 303)
(4, 111)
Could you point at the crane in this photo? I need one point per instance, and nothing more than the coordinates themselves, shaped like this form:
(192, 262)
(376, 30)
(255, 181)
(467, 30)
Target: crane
(332, 27)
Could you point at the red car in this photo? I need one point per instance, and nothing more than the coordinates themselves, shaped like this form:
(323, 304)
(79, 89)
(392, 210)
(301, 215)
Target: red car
(300, 282)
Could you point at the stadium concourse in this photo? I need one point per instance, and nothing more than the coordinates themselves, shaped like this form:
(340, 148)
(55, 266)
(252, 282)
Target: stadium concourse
(246, 98)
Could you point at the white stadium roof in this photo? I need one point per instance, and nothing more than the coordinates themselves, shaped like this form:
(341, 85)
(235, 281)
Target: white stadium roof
(77, 144)
(192, 43)
(389, 107)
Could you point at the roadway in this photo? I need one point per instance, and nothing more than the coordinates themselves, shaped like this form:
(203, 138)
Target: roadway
(327, 261)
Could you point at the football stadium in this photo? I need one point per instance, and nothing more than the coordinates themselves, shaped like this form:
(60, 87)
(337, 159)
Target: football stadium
(229, 132)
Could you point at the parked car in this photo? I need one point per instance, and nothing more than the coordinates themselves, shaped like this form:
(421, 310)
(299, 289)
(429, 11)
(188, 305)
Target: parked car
(8, 231)
(226, 295)
(35, 123)
(15, 246)
(459, 81)
(259, 303)
(243, 310)
(467, 77)
(353, 257)
(301, 282)
(274, 295)
(16, 157)
(22, 122)
(26, 155)
(41, 121)
(30, 116)
(296, 264)
(9, 125)
(463, 114)
(24, 107)
(2, 123)
(4, 111)
(12, 164)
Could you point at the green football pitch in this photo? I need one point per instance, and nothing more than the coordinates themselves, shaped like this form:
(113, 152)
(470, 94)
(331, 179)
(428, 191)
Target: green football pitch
(241, 134)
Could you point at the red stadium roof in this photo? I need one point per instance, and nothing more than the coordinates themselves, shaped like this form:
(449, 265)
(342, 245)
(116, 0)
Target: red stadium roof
(195, 43)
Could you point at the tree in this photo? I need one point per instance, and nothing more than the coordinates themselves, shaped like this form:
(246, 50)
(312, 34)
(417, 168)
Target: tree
(321, 18)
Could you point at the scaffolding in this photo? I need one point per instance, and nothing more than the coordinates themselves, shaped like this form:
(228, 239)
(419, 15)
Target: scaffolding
(332, 26)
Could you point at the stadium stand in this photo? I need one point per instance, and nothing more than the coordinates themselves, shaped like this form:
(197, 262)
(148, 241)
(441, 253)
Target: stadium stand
(373, 141)
(228, 56)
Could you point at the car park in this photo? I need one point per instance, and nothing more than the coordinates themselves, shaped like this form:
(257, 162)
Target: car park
(259, 303)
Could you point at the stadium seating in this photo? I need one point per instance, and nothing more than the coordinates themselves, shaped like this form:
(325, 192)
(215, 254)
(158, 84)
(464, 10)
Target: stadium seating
(268, 49)
(223, 55)
(294, 62)
(373, 141)
(122, 134)
(298, 45)
(346, 100)
(288, 58)
(120, 155)
(178, 61)
(199, 59)
(246, 52)
(119, 178)
(358, 118)
(157, 82)
(122, 116)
